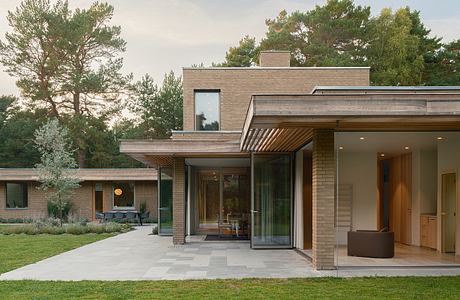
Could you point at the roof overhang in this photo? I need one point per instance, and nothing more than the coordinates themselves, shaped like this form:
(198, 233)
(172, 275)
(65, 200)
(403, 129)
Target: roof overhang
(286, 122)
(161, 152)
(128, 174)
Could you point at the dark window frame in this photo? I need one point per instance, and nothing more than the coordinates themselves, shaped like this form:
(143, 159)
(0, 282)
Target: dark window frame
(133, 207)
(25, 186)
(218, 92)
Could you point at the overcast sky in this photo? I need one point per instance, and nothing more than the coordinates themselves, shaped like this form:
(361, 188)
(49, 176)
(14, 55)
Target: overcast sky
(167, 35)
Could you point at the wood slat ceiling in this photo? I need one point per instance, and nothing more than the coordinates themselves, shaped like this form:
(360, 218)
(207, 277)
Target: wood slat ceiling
(276, 139)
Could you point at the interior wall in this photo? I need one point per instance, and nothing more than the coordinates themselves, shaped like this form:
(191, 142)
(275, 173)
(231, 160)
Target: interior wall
(359, 169)
(424, 188)
(448, 161)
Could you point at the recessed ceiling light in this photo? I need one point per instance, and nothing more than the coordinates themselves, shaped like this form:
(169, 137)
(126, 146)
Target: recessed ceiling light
(361, 138)
(341, 148)
(406, 148)
(382, 154)
(439, 138)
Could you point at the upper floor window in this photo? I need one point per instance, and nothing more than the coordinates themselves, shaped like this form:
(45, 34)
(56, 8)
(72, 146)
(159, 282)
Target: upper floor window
(207, 110)
(16, 195)
(123, 195)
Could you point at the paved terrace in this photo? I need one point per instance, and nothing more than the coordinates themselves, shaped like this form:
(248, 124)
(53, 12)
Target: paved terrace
(137, 255)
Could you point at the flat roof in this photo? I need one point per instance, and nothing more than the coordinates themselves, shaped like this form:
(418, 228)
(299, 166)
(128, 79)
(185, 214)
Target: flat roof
(385, 88)
(273, 68)
(109, 174)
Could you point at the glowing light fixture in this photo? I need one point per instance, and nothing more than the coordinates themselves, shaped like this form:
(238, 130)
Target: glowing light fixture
(118, 192)
(362, 138)
(340, 148)
(406, 148)
(382, 154)
(439, 138)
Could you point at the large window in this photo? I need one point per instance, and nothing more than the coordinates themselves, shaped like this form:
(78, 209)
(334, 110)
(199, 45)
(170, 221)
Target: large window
(16, 195)
(123, 195)
(207, 112)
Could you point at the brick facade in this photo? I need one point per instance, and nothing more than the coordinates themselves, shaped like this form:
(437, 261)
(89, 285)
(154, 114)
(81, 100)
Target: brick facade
(83, 200)
(179, 201)
(323, 186)
(237, 85)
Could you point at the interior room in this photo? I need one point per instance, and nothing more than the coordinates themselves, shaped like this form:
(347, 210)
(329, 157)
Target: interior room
(401, 184)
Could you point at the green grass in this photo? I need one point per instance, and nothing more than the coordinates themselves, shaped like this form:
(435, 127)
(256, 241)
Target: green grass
(324, 288)
(18, 250)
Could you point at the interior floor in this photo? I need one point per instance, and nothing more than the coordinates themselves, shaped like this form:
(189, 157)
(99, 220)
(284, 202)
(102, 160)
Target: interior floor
(405, 255)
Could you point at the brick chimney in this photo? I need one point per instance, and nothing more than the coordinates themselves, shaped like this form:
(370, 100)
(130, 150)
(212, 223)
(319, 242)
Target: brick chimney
(275, 58)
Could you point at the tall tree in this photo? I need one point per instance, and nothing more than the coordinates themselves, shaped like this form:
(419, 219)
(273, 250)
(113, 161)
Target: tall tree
(17, 127)
(243, 55)
(56, 162)
(66, 60)
(333, 34)
(159, 108)
(443, 68)
(393, 51)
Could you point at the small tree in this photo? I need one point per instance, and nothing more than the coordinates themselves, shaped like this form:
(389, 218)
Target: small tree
(56, 160)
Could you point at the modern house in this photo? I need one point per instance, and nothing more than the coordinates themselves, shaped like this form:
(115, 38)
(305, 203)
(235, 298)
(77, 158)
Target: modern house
(100, 190)
(294, 157)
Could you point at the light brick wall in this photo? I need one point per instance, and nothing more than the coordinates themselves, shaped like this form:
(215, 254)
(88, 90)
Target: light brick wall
(179, 201)
(237, 85)
(83, 201)
(324, 173)
(275, 59)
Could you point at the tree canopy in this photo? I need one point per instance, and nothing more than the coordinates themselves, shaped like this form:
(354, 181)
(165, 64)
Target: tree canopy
(395, 44)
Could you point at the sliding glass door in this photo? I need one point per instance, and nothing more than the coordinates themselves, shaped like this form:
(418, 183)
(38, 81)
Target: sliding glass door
(165, 203)
(271, 201)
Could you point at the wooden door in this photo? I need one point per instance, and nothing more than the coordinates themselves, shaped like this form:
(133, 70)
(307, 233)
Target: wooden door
(448, 212)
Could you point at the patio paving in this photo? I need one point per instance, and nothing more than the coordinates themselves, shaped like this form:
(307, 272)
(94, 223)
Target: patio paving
(138, 255)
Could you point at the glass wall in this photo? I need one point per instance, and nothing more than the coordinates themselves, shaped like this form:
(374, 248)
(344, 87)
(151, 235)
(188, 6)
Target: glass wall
(272, 201)
(207, 112)
(165, 203)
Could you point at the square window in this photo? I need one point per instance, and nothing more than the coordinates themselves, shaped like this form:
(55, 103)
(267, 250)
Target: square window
(16, 195)
(123, 195)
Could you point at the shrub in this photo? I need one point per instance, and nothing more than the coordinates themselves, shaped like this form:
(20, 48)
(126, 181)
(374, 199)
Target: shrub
(53, 210)
(155, 229)
(75, 228)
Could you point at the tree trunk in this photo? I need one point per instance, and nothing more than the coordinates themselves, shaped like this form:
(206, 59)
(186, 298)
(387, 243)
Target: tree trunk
(81, 153)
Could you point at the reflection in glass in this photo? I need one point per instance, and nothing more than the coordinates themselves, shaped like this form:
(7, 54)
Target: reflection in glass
(272, 201)
(207, 110)
(165, 205)
(123, 194)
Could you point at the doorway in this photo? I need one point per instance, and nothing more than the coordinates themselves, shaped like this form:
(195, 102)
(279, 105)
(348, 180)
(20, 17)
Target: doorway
(395, 196)
(223, 203)
(448, 211)
(98, 198)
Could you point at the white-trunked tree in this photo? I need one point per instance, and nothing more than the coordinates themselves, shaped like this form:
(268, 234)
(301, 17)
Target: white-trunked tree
(56, 164)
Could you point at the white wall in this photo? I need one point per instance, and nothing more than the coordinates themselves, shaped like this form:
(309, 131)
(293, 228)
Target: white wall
(448, 161)
(360, 170)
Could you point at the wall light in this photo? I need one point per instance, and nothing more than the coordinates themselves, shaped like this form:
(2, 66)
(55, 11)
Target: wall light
(340, 148)
(439, 138)
(406, 148)
(382, 154)
(361, 138)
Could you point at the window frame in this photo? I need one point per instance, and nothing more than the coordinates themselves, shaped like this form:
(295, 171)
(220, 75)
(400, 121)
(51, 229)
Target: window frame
(218, 92)
(26, 184)
(134, 196)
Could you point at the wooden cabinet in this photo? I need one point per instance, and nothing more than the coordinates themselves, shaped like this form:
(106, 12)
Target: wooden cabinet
(428, 231)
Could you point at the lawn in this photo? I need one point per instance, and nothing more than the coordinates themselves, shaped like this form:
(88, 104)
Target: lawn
(329, 288)
(18, 250)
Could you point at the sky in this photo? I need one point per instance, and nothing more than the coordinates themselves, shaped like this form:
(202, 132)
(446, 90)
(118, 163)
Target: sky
(168, 35)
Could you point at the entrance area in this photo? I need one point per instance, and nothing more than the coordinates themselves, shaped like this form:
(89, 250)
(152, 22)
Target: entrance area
(223, 201)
